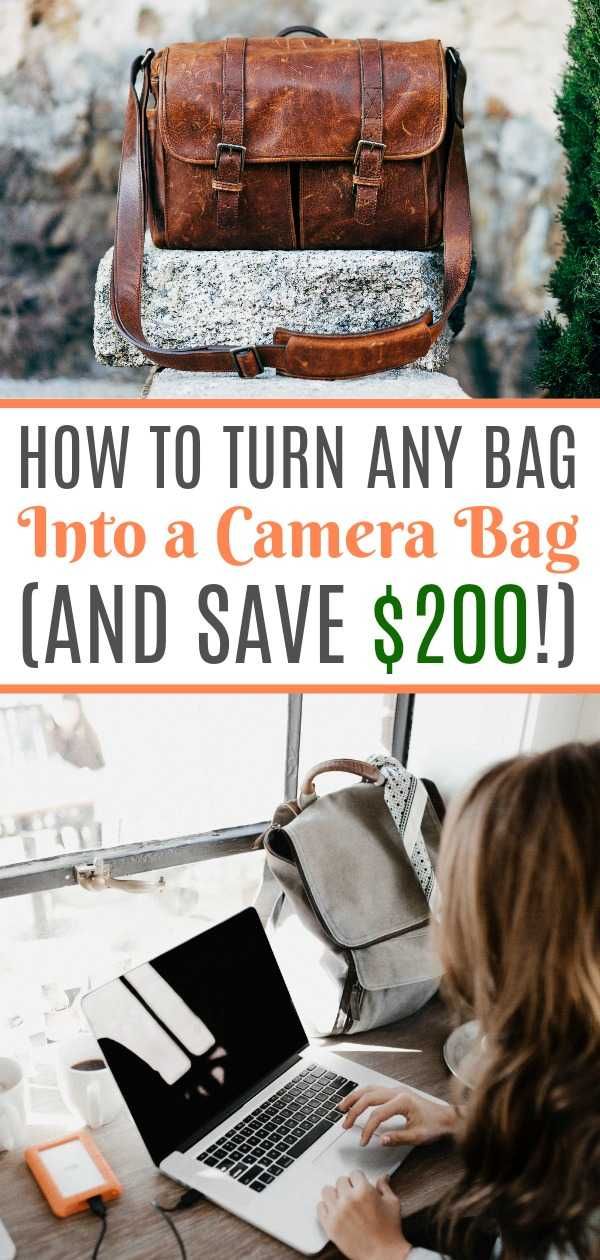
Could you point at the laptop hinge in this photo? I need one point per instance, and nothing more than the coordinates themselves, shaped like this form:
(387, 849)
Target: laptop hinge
(240, 1102)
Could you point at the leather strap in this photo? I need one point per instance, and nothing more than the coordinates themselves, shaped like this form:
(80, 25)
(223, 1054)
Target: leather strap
(291, 353)
(231, 154)
(368, 160)
(337, 765)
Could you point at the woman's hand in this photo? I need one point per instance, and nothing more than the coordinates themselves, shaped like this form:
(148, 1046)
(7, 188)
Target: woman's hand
(426, 1120)
(364, 1221)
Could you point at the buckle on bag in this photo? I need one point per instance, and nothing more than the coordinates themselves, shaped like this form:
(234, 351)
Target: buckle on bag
(242, 368)
(223, 147)
(367, 144)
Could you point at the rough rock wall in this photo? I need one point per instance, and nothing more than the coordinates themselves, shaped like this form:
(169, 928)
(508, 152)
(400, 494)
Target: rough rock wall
(62, 83)
(514, 51)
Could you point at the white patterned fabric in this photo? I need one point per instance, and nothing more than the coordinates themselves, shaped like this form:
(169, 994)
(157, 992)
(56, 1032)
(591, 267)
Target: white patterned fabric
(406, 798)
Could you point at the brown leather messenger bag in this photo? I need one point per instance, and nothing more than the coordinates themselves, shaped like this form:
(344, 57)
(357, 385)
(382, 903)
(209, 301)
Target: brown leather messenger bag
(295, 143)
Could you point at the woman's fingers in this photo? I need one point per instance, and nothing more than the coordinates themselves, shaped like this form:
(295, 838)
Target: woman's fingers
(350, 1099)
(398, 1106)
(385, 1189)
(323, 1213)
(357, 1102)
(329, 1195)
(408, 1136)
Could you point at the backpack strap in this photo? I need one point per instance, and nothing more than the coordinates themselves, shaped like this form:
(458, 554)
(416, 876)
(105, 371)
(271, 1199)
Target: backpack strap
(318, 356)
(406, 798)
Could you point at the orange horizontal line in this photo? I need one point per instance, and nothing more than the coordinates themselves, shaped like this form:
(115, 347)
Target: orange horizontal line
(294, 403)
(303, 688)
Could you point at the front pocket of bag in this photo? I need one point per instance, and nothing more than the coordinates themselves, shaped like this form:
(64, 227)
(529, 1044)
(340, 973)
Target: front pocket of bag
(265, 219)
(327, 202)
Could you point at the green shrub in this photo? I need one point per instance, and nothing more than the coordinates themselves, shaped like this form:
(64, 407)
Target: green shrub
(569, 363)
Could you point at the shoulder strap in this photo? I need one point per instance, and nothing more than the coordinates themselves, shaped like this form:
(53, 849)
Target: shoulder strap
(305, 355)
(407, 799)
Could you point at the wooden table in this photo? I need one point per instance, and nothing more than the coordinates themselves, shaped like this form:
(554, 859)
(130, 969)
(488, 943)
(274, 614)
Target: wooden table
(409, 1051)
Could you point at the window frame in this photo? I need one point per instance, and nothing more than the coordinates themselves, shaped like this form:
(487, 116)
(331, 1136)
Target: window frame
(47, 874)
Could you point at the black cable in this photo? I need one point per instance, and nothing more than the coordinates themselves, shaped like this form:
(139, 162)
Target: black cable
(187, 1200)
(98, 1207)
(172, 1226)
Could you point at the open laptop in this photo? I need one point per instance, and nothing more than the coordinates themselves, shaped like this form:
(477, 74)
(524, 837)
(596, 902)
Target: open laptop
(212, 1060)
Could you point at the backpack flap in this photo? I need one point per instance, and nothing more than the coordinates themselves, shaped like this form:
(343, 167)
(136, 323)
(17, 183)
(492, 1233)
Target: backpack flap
(400, 960)
(343, 863)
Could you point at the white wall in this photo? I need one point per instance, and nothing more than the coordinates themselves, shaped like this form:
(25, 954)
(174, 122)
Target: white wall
(456, 736)
(589, 718)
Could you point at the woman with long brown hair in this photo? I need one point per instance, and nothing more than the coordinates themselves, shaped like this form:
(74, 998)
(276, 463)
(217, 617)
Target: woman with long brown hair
(519, 937)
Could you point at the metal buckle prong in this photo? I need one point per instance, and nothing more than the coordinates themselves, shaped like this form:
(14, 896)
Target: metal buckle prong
(367, 144)
(223, 147)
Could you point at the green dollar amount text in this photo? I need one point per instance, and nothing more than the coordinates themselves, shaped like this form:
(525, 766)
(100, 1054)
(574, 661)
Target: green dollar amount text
(479, 618)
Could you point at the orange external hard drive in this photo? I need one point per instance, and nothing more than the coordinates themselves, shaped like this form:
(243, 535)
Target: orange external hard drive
(70, 1172)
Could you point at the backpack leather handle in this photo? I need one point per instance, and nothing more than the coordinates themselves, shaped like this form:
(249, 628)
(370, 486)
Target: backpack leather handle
(301, 30)
(337, 765)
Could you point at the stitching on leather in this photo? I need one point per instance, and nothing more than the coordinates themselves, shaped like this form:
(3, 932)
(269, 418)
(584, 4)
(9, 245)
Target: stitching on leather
(301, 223)
(372, 99)
(440, 182)
(371, 93)
(291, 221)
(140, 230)
(161, 174)
(426, 200)
(167, 158)
(232, 129)
(362, 87)
(372, 107)
(273, 159)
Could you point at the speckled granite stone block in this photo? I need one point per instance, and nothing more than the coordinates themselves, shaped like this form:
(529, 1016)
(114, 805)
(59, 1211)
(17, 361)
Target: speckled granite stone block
(237, 297)
(409, 383)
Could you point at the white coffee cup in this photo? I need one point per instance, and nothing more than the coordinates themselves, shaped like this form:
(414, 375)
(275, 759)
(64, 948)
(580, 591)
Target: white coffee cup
(91, 1092)
(12, 1105)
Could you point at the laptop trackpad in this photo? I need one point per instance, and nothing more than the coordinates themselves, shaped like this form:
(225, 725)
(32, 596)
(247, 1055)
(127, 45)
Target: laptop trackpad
(345, 1154)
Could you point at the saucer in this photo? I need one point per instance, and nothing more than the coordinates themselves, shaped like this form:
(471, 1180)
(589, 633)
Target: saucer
(461, 1052)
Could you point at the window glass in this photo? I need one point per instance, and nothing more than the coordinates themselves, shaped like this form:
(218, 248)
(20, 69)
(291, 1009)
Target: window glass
(77, 772)
(344, 726)
(119, 769)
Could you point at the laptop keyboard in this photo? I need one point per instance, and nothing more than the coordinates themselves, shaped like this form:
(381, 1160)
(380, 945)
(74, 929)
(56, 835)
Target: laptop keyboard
(267, 1141)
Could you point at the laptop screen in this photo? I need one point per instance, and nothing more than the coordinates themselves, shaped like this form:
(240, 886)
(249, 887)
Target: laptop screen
(190, 1035)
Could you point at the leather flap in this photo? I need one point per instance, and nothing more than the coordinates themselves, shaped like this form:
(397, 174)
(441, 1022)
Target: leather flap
(302, 99)
(355, 869)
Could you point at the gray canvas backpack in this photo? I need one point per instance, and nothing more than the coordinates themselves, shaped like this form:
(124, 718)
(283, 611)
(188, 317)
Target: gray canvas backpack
(347, 893)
